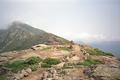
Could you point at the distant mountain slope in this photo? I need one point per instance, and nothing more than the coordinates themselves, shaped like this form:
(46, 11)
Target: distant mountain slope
(111, 46)
(22, 36)
(107, 46)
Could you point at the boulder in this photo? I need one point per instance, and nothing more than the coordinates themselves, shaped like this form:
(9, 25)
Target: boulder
(87, 56)
(39, 46)
(74, 59)
(18, 76)
(28, 70)
(3, 59)
(45, 75)
(60, 65)
(23, 72)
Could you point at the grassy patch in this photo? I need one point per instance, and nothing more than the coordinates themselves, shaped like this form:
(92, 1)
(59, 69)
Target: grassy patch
(90, 62)
(23, 64)
(51, 61)
(32, 62)
(45, 65)
(17, 65)
(48, 62)
(98, 52)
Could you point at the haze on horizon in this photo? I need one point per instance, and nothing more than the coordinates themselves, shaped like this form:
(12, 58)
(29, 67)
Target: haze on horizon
(85, 20)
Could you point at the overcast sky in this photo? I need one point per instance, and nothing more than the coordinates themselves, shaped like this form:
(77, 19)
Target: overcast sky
(86, 20)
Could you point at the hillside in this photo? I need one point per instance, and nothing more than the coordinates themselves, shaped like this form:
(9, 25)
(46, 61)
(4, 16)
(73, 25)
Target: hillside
(107, 46)
(22, 36)
(59, 62)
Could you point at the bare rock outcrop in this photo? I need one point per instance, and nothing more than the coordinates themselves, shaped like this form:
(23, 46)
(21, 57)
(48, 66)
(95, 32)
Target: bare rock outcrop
(106, 72)
(21, 74)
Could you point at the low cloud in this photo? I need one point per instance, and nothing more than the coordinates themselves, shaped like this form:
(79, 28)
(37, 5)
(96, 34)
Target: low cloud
(92, 37)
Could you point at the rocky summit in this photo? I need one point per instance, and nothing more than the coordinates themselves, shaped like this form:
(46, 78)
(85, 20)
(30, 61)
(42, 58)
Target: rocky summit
(59, 62)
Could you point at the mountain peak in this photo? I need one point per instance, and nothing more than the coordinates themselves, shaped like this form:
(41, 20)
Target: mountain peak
(18, 24)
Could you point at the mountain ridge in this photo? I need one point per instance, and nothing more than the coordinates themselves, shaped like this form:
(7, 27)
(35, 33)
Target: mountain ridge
(20, 36)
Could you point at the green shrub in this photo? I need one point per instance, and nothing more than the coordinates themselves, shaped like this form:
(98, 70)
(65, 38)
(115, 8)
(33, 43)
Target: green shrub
(96, 51)
(34, 67)
(45, 65)
(33, 60)
(51, 61)
(90, 62)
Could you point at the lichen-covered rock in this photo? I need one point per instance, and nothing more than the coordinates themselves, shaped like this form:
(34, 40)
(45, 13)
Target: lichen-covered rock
(105, 72)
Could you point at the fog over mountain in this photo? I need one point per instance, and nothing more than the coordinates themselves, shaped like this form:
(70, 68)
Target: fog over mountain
(86, 20)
